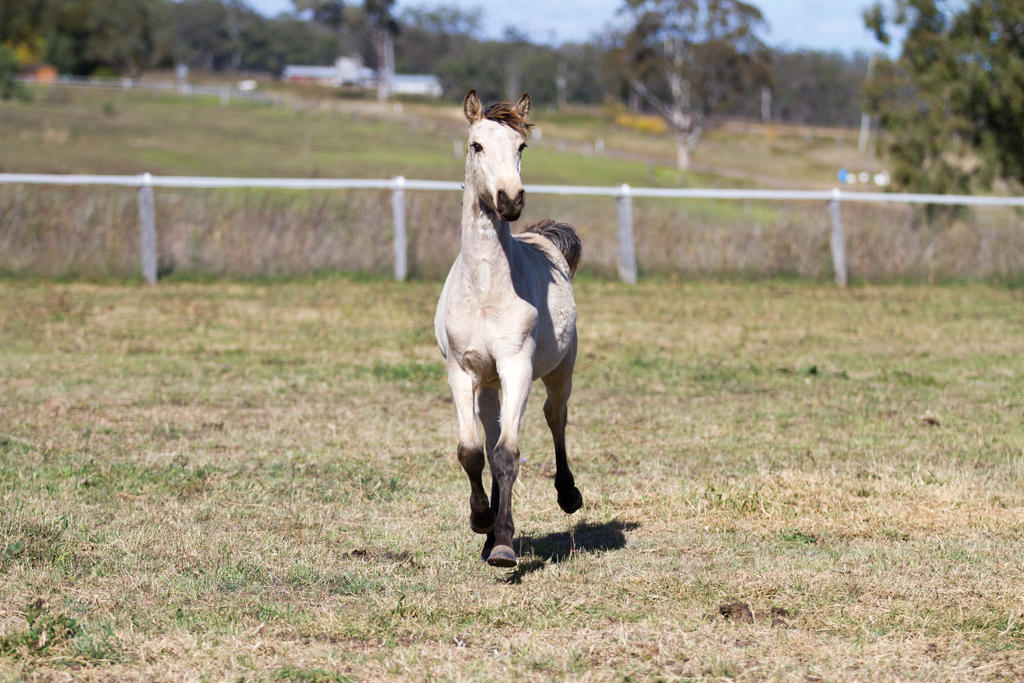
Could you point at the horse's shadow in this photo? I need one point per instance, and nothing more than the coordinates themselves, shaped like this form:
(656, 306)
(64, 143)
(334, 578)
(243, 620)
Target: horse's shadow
(554, 548)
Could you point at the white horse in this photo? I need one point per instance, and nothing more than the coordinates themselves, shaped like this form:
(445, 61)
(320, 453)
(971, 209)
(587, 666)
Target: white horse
(505, 318)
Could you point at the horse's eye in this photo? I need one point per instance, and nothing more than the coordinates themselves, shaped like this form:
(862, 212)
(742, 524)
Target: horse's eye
(477, 147)
(522, 147)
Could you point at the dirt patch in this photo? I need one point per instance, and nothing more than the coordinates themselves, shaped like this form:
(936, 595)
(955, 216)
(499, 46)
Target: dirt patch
(737, 611)
(742, 613)
(383, 556)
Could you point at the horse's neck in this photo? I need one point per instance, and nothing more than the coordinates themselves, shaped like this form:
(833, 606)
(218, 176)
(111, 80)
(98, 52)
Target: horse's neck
(486, 240)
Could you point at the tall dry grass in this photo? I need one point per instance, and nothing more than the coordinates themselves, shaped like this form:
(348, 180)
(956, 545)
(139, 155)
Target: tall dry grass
(93, 232)
(883, 242)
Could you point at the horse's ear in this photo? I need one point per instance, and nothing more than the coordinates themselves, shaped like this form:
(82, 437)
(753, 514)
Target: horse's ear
(472, 108)
(522, 107)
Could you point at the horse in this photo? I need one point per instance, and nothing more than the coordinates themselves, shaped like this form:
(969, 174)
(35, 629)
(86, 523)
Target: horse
(506, 317)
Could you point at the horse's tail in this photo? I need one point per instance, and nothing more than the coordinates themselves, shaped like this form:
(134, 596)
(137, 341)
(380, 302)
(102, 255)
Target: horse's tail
(563, 236)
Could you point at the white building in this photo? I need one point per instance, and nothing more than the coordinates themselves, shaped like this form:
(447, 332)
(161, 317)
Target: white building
(423, 85)
(350, 71)
(320, 75)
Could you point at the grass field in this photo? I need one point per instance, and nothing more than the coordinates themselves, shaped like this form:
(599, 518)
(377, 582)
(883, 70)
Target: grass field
(93, 232)
(103, 131)
(214, 481)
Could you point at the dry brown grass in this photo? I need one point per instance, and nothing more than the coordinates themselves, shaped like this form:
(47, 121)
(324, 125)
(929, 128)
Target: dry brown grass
(215, 481)
(94, 233)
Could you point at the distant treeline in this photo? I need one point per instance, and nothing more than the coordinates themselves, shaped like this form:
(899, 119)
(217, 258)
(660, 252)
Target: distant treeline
(128, 37)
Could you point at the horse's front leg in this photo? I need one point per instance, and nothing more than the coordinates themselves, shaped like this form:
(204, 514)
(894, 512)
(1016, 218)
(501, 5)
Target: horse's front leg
(516, 374)
(489, 409)
(471, 451)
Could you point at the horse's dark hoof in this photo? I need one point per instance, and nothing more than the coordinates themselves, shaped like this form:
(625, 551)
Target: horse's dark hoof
(571, 502)
(481, 522)
(501, 556)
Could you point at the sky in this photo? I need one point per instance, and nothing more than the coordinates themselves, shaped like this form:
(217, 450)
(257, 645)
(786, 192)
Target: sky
(792, 24)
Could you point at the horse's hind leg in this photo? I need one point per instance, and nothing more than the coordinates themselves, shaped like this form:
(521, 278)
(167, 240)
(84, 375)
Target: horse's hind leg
(471, 451)
(559, 386)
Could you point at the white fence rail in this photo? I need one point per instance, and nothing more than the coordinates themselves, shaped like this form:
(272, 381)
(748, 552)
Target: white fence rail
(398, 185)
(225, 91)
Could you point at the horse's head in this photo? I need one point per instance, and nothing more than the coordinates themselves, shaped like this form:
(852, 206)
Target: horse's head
(497, 138)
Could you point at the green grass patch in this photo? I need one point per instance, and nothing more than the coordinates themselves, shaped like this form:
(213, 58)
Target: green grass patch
(56, 637)
(291, 673)
(416, 373)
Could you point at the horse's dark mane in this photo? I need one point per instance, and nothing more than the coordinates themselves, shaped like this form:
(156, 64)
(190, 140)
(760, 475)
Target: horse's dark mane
(503, 112)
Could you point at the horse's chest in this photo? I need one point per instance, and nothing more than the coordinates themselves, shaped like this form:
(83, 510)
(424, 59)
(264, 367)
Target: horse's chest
(479, 338)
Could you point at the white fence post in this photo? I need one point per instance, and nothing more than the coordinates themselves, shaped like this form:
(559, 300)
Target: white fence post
(838, 241)
(147, 227)
(401, 240)
(627, 247)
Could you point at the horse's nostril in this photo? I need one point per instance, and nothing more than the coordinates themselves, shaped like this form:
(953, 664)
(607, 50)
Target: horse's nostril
(510, 208)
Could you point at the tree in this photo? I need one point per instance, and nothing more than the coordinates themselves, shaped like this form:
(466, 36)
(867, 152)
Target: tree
(270, 44)
(82, 36)
(429, 35)
(8, 73)
(953, 101)
(385, 28)
(819, 88)
(685, 58)
(480, 65)
(330, 13)
(203, 34)
(586, 80)
(121, 34)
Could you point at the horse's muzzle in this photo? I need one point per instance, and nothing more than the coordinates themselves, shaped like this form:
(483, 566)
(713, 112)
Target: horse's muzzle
(508, 208)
